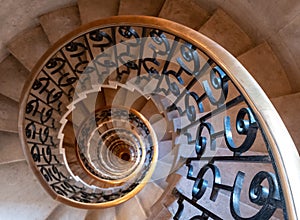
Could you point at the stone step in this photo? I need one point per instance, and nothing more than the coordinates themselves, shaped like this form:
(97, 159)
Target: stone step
(29, 46)
(136, 7)
(92, 102)
(288, 107)
(94, 9)
(101, 214)
(10, 148)
(110, 96)
(78, 114)
(135, 100)
(186, 12)
(69, 134)
(165, 147)
(149, 195)
(265, 67)
(166, 199)
(60, 22)
(119, 98)
(164, 214)
(12, 77)
(285, 44)
(78, 172)
(71, 155)
(162, 170)
(9, 114)
(22, 196)
(126, 211)
(150, 110)
(221, 28)
(163, 129)
(64, 212)
(100, 100)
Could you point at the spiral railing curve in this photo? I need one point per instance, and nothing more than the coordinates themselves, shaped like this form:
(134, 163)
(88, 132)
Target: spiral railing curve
(91, 146)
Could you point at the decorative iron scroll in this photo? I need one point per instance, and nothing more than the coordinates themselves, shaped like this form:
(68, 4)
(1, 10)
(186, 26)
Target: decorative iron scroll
(158, 63)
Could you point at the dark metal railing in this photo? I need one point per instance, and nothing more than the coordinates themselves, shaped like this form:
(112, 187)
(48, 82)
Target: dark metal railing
(231, 156)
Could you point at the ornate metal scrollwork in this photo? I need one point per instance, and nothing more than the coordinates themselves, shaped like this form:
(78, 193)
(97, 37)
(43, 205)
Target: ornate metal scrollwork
(197, 89)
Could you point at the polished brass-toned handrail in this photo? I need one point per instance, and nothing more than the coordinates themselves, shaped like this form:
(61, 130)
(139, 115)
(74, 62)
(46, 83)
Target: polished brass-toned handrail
(282, 149)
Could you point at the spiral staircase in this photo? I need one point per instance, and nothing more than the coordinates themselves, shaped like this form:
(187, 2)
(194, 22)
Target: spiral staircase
(136, 117)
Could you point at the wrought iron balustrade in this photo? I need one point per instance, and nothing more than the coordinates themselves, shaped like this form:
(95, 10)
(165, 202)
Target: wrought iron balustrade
(226, 141)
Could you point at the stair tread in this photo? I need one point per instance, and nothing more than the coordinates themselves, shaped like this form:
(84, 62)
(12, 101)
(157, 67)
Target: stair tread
(22, 194)
(119, 98)
(9, 114)
(221, 28)
(286, 58)
(135, 100)
(176, 10)
(100, 101)
(58, 23)
(64, 212)
(165, 147)
(137, 7)
(162, 170)
(29, 46)
(107, 213)
(167, 198)
(10, 148)
(110, 94)
(78, 114)
(94, 9)
(125, 213)
(90, 102)
(285, 44)
(288, 107)
(264, 66)
(164, 214)
(160, 126)
(149, 195)
(149, 110)
(12, 78)
(69, 134)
